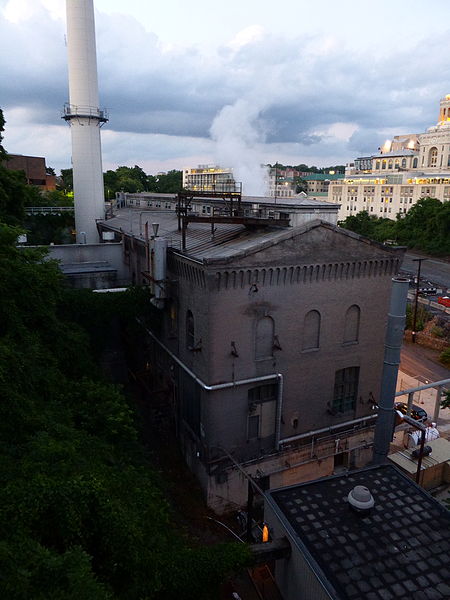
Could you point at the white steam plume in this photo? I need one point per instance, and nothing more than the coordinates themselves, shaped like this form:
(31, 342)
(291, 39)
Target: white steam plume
(238, 132)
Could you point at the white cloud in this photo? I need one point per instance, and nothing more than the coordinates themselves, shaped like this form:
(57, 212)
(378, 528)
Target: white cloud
(287, 86)
(252, 33)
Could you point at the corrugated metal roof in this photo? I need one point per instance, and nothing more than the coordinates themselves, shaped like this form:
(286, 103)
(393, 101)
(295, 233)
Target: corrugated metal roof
(227, 240)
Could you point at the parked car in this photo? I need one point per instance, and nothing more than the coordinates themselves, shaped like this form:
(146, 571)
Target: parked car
(417, 413)
(445, 301)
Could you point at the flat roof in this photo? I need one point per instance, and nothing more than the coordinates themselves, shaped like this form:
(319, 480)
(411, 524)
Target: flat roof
(87, 267)
(228, 241)
(404, 152)
(440, 454)
(323, 176)
(301, 201)
(398, 550)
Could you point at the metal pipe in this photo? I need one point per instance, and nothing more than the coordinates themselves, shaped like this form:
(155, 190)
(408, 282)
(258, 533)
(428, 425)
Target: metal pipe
(310, 460)
(300, 436)
(209, 388)
(410, 402)
(279, 410)
(423, 387)
(393, 342)
(249, 510)
(416, 299)
(419, 462)
(437, 404)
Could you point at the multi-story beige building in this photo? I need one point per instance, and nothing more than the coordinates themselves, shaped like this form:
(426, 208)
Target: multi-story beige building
(404, 170)
(209, 178)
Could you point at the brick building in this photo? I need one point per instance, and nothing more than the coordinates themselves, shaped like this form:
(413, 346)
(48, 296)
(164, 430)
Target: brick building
(34, 169)
(269, 347)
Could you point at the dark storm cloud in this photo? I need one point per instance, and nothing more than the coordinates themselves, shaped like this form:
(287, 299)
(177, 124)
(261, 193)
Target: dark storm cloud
(301, 86)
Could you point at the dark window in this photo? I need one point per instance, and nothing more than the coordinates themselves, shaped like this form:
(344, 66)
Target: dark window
(432, 157)
(311, 330)
(253, 427)
(262, 393)
(261, 411)
(345, 389)
(190, 330)
(351, 326)
(191, 402)
(264, 338)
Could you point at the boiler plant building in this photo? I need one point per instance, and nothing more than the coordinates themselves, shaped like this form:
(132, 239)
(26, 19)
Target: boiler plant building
(267, 346)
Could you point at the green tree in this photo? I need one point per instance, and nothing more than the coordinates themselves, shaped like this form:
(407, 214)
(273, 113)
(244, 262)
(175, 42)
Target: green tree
(2, 129)
(169, 183)
(82, 514)
(444, 358)
(67, 180)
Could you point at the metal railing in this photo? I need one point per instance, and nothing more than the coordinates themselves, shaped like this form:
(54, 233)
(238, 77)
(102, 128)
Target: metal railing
(71, 111)
(441, 387)
(48, 210)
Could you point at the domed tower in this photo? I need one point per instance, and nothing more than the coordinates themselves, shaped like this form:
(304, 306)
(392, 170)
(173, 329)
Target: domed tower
(444, 112)
(434, 154)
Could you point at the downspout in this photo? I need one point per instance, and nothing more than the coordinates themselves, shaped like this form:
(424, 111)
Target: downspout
(279, 411)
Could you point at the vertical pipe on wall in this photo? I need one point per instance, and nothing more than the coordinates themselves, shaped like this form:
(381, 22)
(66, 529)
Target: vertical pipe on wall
(393, 342)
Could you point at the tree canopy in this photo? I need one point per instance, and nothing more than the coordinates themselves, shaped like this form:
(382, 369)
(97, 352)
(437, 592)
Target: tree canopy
(426, 227)
(81, 509)
(82, 513)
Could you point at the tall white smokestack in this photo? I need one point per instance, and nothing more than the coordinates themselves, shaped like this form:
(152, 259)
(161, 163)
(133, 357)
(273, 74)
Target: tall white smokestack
(85, 119)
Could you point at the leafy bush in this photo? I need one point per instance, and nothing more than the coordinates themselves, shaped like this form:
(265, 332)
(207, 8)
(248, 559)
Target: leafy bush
(445, 357)
(426, 226)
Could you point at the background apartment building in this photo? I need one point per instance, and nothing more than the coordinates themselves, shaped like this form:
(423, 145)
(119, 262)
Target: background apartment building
(209, 178)
(317, 184)
(404, 170)
(34, 169)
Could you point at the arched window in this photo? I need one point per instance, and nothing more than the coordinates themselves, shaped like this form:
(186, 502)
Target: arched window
(311, 330)
(383, 164)
(351, 325)
(377, 165)
(403, 163)
(265, 329)
(396, 163)
(390, 163)
(415, 161)
(432, 157)
(190, 330)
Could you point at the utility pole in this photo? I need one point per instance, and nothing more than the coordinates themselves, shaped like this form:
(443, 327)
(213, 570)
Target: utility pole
(416, 299)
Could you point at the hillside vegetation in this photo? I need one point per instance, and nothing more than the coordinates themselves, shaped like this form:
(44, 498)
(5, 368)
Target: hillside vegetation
(425, 227)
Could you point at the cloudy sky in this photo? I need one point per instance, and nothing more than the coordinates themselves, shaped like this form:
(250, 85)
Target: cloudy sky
(236, 82)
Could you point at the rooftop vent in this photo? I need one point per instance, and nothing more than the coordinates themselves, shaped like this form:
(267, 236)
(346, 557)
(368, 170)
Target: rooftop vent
(360, 499)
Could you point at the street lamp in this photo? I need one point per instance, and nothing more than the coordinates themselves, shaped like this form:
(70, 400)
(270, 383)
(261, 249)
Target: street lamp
(416, 299)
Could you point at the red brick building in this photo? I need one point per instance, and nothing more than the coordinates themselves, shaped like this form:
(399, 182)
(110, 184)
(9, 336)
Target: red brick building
(34, 169)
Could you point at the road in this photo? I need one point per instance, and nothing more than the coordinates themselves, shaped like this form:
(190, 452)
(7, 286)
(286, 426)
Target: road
(417, 361)
(433, 269)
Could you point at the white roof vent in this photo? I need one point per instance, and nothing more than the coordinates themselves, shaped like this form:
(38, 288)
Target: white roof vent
(360, 499)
